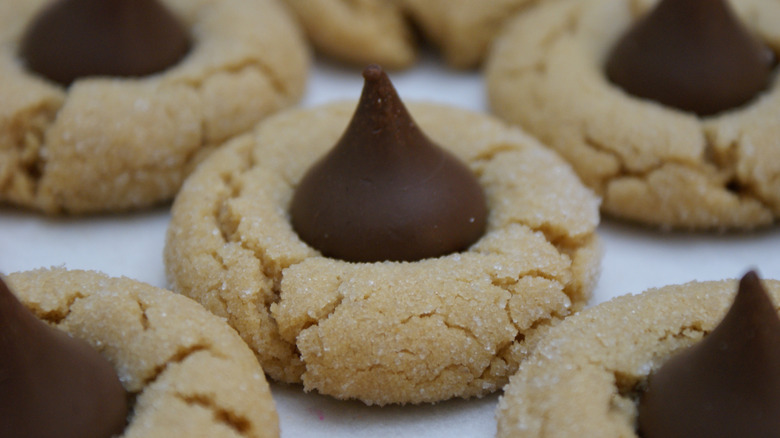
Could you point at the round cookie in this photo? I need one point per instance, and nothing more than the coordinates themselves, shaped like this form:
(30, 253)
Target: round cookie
(651, 164)
(111, 144)
(377, 31)
(386, 332)
(186, 371)
(583, 377)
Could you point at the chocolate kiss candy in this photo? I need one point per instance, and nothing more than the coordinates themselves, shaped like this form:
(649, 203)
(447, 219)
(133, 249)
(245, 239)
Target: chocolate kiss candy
(53, 385)
(727, 385)
(693, 55)
(385, 191)
(78, 38)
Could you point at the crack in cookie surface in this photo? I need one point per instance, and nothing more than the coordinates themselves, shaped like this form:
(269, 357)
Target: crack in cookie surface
(179, 356)
(231, 419)
(58, 315)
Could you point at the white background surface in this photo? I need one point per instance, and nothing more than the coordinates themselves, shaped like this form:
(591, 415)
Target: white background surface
(131, 245)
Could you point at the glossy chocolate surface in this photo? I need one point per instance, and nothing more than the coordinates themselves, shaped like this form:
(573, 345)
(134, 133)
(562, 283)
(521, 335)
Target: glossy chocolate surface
(53, 385)
(727, 385)
(693, 55)
(72, 39)
(386, 191)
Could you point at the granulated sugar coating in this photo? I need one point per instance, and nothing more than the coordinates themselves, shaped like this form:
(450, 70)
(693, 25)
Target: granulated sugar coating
(387, 332)
(585, 375)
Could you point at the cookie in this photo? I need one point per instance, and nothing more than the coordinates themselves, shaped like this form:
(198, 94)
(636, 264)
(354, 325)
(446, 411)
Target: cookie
(185, 370)
(651, 163)
(358, 32)
(112, 144)
(385, 332)
(582, 379)
(377, 31)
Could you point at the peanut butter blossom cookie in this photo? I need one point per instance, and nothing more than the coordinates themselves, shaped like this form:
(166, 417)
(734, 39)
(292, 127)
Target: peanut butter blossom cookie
(385, 32)
(698, 359)
(108, 104)
(666, 109)
(84, 355)
(390, 257)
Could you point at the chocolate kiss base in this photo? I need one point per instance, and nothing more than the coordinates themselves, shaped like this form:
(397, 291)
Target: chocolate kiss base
(727, 385)
(72, 39)
(693, 55)
(53, 385)
(385, 191)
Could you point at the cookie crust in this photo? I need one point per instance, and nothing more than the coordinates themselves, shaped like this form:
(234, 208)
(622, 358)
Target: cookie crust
(390, 332)
(187, 372)
(582, 379)
(111, 144)
(651, 164)
(377, 31)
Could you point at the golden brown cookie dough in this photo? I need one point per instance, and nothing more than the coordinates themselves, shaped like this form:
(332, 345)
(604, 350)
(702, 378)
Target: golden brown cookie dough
(187, 372)
(360, 32)
(582, 378)
(388, 332)
(650, 163)
(383, 32)
(110, 144)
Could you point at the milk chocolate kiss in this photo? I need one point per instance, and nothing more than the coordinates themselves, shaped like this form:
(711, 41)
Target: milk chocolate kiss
(72, 39)
(53, 385)
(693, 55)
(385, 191)
(727, 385)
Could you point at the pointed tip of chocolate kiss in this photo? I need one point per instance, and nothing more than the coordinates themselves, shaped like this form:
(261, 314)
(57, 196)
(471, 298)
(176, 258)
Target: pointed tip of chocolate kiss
(727, 385)
(72, 39)
(374, 72)
(379, 102)
(386, 191)
(695, 56)
(752, 282)
(752, 292)
(46, 376)
(752, 311)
